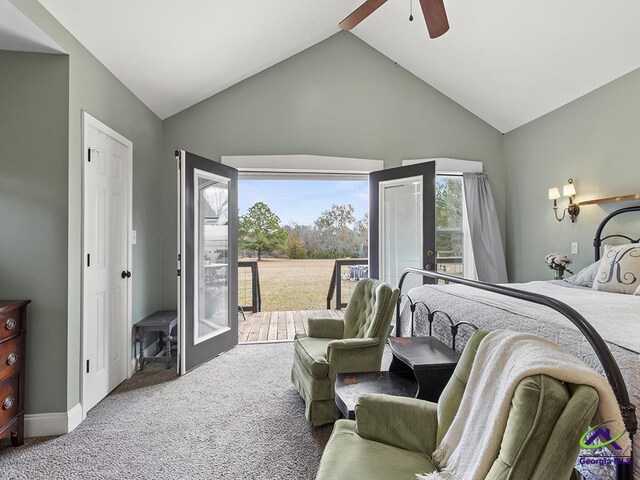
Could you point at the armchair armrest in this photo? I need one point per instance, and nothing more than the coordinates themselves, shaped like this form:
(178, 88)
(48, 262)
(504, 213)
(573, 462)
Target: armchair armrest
(402, 422)
(326, 327)
(350, 343)
(354, 355)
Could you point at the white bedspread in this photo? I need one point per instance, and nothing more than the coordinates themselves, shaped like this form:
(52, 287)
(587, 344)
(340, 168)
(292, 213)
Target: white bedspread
(615, 316)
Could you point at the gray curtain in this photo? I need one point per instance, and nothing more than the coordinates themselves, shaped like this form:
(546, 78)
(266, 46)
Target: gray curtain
(486, 239)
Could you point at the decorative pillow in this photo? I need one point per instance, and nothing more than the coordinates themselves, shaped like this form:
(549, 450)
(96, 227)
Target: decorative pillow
(619, 270)
(586, 276)
(638, 291)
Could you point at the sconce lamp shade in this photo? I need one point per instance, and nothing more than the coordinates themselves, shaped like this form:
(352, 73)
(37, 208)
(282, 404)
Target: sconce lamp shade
(569, 190)
(554, 193)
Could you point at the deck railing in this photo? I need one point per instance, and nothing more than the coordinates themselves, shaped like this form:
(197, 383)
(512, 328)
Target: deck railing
(335, 286)
(448, 265)
(256, 296)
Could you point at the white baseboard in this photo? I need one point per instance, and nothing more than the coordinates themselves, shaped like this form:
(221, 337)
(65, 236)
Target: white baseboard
(48, 424)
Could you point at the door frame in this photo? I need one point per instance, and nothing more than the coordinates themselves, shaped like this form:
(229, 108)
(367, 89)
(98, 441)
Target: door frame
(90, 121)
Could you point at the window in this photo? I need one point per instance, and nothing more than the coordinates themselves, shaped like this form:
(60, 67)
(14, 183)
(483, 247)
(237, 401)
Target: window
(450, 239)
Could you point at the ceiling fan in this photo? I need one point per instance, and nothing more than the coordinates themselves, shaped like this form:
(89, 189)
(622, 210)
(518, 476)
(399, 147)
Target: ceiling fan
(433, 11)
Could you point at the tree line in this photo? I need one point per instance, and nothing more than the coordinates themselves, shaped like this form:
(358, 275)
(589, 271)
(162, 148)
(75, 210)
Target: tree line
(336, 233)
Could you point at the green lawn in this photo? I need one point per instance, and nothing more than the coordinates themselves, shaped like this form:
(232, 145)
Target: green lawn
(292, 284)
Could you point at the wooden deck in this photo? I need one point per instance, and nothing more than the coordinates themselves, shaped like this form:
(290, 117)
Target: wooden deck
(278, 326)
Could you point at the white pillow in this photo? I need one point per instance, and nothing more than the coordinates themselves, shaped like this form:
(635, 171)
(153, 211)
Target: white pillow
(619, 270)
(586, 276)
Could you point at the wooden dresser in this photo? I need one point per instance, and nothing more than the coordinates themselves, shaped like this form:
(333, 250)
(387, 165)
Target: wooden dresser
(13, 334)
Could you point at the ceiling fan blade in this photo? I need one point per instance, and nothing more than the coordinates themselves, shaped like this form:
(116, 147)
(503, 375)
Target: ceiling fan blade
(436, 17)
(359, 14)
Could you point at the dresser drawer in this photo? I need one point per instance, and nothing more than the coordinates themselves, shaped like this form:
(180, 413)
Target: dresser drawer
(9, 324)
(10, 357)
(8, 400)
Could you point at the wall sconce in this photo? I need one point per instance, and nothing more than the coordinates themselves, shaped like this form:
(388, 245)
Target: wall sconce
(568, 190)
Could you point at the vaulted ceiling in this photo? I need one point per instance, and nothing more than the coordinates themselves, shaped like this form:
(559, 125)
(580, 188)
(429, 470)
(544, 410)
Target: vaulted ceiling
(19, 34)
(507, 61)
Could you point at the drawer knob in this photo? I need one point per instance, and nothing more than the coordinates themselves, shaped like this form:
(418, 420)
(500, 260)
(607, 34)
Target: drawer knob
(10, 324)
(12, 358)
(8, 402)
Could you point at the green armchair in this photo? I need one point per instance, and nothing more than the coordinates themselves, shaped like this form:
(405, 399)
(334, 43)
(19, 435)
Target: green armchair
(394, 437)
(334, 346)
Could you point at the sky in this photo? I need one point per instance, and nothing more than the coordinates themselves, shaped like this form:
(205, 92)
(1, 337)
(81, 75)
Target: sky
(302, 201)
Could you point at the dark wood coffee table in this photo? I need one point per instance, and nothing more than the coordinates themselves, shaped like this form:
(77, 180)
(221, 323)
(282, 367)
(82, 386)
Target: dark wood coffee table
(351, 386)
(430, 360)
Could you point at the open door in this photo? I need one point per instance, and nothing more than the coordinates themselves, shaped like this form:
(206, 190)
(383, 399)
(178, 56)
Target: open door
(207, 259)
(402, 228)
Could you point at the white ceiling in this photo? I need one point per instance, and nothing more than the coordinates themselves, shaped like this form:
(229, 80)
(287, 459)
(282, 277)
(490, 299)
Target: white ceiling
(173, 54)
(512, 61)
(18, 33)
(507, 61)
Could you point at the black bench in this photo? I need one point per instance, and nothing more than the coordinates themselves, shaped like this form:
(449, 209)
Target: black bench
(161, 323)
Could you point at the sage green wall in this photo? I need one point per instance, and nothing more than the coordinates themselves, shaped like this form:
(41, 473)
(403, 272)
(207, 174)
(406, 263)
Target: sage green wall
(34, 132)
(596, 141)
(94, 89)
(338, 98)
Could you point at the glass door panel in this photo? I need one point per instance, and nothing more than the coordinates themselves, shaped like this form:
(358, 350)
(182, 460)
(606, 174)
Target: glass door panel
(400, 229)
(211, 313)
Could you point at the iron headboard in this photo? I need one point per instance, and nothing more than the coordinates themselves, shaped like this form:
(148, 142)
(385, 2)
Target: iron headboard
(597, 242)
(606, 358)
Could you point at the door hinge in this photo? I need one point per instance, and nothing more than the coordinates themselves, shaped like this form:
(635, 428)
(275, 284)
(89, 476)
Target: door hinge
(178, 272)
(88, 259)
(87, 366)
(89, 155)
(179, 256)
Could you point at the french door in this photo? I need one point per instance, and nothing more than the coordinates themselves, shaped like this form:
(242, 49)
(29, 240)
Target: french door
(207, 259)
(402, 228)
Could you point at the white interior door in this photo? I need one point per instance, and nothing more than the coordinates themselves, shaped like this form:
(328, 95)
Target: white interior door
(107, 259)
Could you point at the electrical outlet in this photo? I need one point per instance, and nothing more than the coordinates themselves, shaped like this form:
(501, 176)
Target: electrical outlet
(574, 248)
(134, 237)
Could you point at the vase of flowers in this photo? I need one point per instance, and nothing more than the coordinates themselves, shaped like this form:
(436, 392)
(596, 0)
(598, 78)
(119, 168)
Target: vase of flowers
(559, 264)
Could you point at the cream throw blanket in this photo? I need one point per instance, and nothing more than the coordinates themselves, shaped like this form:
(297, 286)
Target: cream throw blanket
(504, 358)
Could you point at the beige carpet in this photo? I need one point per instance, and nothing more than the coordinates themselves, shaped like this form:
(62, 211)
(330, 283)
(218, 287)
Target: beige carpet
(237, 417)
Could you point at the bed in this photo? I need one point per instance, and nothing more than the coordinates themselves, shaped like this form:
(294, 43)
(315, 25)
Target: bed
(603, 329)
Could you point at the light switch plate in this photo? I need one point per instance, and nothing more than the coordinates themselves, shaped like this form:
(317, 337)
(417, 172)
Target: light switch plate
(134, 237)
(574, 248)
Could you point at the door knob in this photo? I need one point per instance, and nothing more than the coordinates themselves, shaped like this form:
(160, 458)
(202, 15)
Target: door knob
(126, 274)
